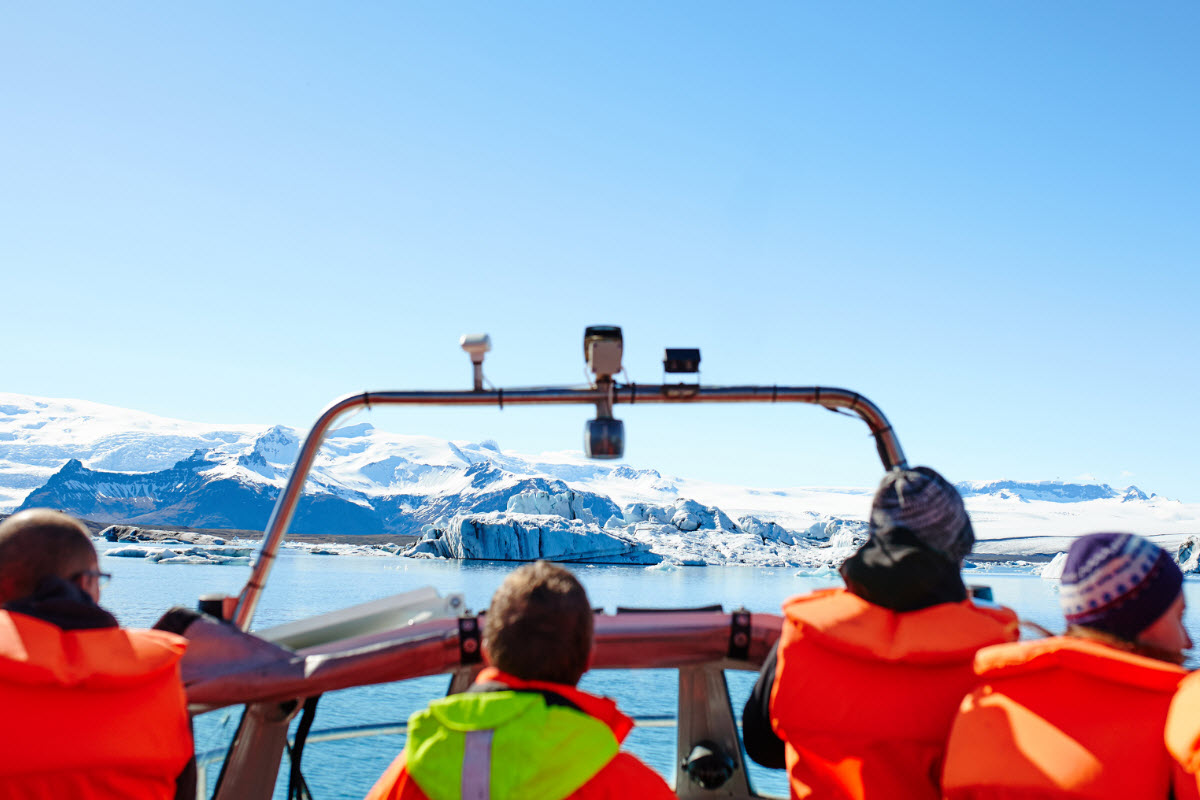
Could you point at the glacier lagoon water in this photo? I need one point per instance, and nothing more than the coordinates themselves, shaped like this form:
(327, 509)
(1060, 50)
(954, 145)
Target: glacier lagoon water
(302, 584)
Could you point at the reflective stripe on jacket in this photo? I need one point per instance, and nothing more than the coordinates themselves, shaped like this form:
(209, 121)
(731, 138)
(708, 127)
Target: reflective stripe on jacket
(92, 714)
(513, 744)
(1063, 717)
(864, 696)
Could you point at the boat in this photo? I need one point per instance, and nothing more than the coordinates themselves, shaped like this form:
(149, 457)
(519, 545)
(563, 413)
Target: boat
(276, 674)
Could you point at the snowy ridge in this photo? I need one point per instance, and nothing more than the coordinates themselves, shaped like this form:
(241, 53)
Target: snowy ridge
(1049, 491)
(39, 435)
(116, 465)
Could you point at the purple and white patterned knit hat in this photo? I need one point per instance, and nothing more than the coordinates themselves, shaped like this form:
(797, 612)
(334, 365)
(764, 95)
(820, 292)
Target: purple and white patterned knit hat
(1118, 583)
(928, 505)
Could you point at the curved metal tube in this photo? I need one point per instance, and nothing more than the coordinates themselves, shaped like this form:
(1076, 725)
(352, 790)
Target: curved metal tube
(223, 667)
(888, 446)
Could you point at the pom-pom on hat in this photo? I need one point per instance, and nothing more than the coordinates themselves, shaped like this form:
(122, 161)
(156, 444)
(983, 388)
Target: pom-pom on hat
(1118, 583)
(926, 504)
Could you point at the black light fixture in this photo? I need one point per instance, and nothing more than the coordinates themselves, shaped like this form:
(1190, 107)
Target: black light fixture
(604, 436)
(685, 360)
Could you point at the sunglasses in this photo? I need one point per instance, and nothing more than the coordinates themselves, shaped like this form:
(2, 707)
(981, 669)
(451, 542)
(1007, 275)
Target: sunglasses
(101, 577)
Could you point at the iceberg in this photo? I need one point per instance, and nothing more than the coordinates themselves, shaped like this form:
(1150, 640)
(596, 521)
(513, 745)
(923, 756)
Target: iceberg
(1187, 556)
(1054, 570)
(236, 556)
(769, 531)
(506, 536)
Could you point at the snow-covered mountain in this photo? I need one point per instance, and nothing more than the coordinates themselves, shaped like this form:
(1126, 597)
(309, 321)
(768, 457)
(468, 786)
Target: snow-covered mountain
(39, 435)
(111, 464)
(1050, 491)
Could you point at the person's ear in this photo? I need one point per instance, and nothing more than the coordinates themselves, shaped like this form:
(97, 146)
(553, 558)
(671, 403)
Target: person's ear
(483, 652)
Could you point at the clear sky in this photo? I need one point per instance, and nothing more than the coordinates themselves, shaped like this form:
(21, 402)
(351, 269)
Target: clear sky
(985, 216)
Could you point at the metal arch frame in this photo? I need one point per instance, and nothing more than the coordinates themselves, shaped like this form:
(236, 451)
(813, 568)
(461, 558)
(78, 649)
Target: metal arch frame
(602, 396)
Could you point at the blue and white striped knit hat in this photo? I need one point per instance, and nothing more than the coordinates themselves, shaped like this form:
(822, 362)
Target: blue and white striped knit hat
(928, 505)
(1118, 583)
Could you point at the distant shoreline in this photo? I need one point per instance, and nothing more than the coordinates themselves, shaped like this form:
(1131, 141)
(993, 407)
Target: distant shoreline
(151, 531)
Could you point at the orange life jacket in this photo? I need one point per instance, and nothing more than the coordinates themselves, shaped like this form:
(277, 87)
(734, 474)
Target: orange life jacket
(863, 696)
(1063, 717)
(623, 777)
(1183, 727)
(90, 714)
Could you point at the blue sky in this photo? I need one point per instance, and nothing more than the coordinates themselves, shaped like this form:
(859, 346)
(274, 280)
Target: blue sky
(981, 215)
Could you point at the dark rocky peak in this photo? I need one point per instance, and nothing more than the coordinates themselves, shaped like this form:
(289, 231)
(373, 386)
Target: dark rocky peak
(198, 460)
(253, 460)
(484, 473)
(72, 467)
(1133, 493)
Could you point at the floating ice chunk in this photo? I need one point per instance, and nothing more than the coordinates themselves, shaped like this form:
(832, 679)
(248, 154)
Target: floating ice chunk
(768, 531)
(184, 555)
(542, 503)
(685, 520)
(690, 516)
(132, 551)
(1188, 555)
(846, 538)
(208, 559)
(1054, 570)
(647, 512)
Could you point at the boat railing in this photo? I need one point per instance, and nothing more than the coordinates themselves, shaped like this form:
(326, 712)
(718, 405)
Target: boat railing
(209, 758)
(226, 667)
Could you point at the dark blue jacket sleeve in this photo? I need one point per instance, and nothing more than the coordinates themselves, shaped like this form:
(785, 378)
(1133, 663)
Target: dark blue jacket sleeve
(759, 738)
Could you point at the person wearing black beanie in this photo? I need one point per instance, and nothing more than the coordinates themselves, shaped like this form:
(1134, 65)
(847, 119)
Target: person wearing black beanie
(857, 697)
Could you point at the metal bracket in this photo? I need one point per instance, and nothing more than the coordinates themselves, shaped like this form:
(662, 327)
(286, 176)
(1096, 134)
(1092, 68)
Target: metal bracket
(681, 391)
(469, 644)
(739, 634)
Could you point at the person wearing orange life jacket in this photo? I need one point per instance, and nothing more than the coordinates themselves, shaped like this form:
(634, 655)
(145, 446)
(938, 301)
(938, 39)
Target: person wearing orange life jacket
(91, 710)
(857, 698)
(523, 730)
(1082, 715)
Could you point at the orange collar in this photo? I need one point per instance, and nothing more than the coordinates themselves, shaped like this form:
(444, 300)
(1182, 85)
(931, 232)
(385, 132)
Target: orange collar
(602, 708)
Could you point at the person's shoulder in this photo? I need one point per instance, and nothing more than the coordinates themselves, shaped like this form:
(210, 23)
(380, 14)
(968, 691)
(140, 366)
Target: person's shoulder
(827, 595)
(170, 645)
(1074, 655)
(994, 611)
(1183, 724)
(625, 773)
